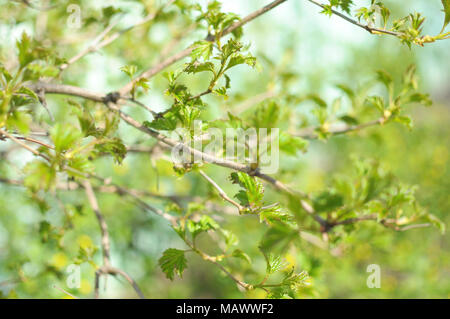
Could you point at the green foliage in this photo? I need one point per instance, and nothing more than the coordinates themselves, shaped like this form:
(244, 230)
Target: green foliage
(64, 137)
(173, 262)
(251, 195)
(335, 204)
(39, 176)
(408, 29)
(278, 238)
(344, 5)
(203, 225)
(141, 82)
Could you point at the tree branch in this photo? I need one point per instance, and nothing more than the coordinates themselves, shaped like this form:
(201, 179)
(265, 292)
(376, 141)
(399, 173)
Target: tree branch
(94, 46)
(17, 141)
(70, 90)
(101, 222)
(108, 270)
(221, 191)
(101, 41)
(309, 133)
(67, 90)
(181, 55)
(352, 21)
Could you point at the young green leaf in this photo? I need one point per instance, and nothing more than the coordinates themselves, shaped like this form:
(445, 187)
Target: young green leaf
(196, 67)
(253, 192)
(173, 262)
(129, 70)
(203, 225)
(64, 137)
(114, 147)
(278, 238)
(202, 49)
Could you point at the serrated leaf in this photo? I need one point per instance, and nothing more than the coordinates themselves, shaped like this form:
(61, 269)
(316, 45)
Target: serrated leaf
(253, 192)
(24, 46)
(278, 238)
(168, 122)
(238, 59)
(222, 91)
(196, 67)
(114, 147)
(129, 70)
(230, 49)
(203, 225)
(202, 49)
(37, 70)
(274, 213)
(296, 280)
(173, 262)
(64, 137)
(274, 263)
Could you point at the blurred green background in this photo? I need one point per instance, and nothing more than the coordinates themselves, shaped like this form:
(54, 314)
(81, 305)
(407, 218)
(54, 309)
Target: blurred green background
(322, 51)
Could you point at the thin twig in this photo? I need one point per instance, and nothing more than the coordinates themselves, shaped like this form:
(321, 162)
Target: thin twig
(65, 292)
(214, 261)
(221, 191)
(32, 140)
(101, 222)
(108, 270)
(17, 141)
(101, 41)
(94, 46)
(352, 21)
(413, 226)
(148, 18)
(144, 106)
(309, 133)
